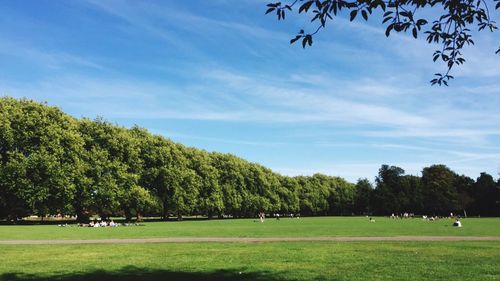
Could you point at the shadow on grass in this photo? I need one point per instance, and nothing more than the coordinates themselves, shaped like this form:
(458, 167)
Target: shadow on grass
(130, 273)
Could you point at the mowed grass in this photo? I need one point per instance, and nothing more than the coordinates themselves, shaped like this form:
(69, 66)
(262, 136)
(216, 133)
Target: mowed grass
(292, 261)
(286, 227)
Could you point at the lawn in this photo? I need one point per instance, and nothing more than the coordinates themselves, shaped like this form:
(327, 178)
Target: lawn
(291, 261)
(303, 227)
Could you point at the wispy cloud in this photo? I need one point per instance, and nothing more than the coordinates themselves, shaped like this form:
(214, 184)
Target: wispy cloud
(46, 58)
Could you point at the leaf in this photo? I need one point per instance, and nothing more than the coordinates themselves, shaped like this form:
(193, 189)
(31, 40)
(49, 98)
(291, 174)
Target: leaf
(305, 7)
(307, 40)
(353, 14)
(364, 14)
(421, 22)
(269, 10)
(387, 13)
(414, 31)
(388, 30)
(295, 39)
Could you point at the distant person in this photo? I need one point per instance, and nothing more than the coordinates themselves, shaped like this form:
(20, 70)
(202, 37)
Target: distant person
(457, 223)
(372, 219)
(262, 216)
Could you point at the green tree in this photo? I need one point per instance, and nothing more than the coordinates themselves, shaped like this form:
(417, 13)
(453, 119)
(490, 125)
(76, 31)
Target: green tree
(231, 180)
(342, 195)
(387, 193)
(486, 196)
(45, 146)
(439, 191)
(464, 185)
(362, 197)
(314, 194)
(289, 195)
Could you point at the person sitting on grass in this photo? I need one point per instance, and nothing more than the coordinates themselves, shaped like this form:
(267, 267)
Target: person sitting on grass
(457, 223)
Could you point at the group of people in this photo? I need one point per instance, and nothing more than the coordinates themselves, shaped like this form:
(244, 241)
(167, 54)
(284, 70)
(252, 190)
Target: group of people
(101, 223)
(262, 216)
(402, 216)
(457, 222)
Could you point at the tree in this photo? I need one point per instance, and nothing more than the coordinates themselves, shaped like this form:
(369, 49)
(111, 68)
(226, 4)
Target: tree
(231, 181)
(486, 194)
(387, 194)
(439, 191)
(464, 186)
(314, 194)
(39, 158)
(362, 197)
(342, 194)
(451, 27)
(210, 200)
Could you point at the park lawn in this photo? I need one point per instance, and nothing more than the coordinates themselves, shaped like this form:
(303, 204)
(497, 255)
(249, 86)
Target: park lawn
(292, 261)
(286, 227)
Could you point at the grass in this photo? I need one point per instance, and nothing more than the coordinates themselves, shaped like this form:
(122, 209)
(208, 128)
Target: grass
(303, 227)
(290, 261)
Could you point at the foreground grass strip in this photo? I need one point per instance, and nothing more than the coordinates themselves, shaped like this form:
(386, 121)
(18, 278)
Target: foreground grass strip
(249, 240)
(286, 261)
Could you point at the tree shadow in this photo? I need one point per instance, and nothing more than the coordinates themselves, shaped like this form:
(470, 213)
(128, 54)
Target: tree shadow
(132, 273)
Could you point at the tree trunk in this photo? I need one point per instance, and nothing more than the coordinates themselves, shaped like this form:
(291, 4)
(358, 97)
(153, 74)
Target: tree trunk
(165, 211)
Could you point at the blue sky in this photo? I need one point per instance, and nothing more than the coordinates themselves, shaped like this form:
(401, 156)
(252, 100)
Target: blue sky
(220, 75)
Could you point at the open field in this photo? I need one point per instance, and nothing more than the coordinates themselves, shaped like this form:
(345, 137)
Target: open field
(266, 261)
(303, 227)
(256, 261)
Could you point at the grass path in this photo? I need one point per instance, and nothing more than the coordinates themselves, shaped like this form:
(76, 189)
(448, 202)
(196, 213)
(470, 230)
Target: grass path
(249, 240)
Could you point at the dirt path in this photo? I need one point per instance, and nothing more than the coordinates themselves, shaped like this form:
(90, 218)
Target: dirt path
(249, 240)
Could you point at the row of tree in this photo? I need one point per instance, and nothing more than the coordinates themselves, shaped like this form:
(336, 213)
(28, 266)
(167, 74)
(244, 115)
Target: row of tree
(52, 163)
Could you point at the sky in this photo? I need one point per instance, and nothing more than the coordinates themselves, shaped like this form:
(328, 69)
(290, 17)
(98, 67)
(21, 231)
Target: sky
(221, 76)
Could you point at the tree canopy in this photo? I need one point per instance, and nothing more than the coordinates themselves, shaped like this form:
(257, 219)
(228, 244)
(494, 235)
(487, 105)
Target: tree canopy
(52, 163)
(444, 22)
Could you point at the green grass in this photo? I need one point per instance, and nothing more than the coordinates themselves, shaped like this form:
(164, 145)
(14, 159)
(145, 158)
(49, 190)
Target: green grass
(305, 227)
(290, 261)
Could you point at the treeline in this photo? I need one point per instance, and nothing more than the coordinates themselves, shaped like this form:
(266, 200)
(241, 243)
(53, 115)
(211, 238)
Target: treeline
(52, 163)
